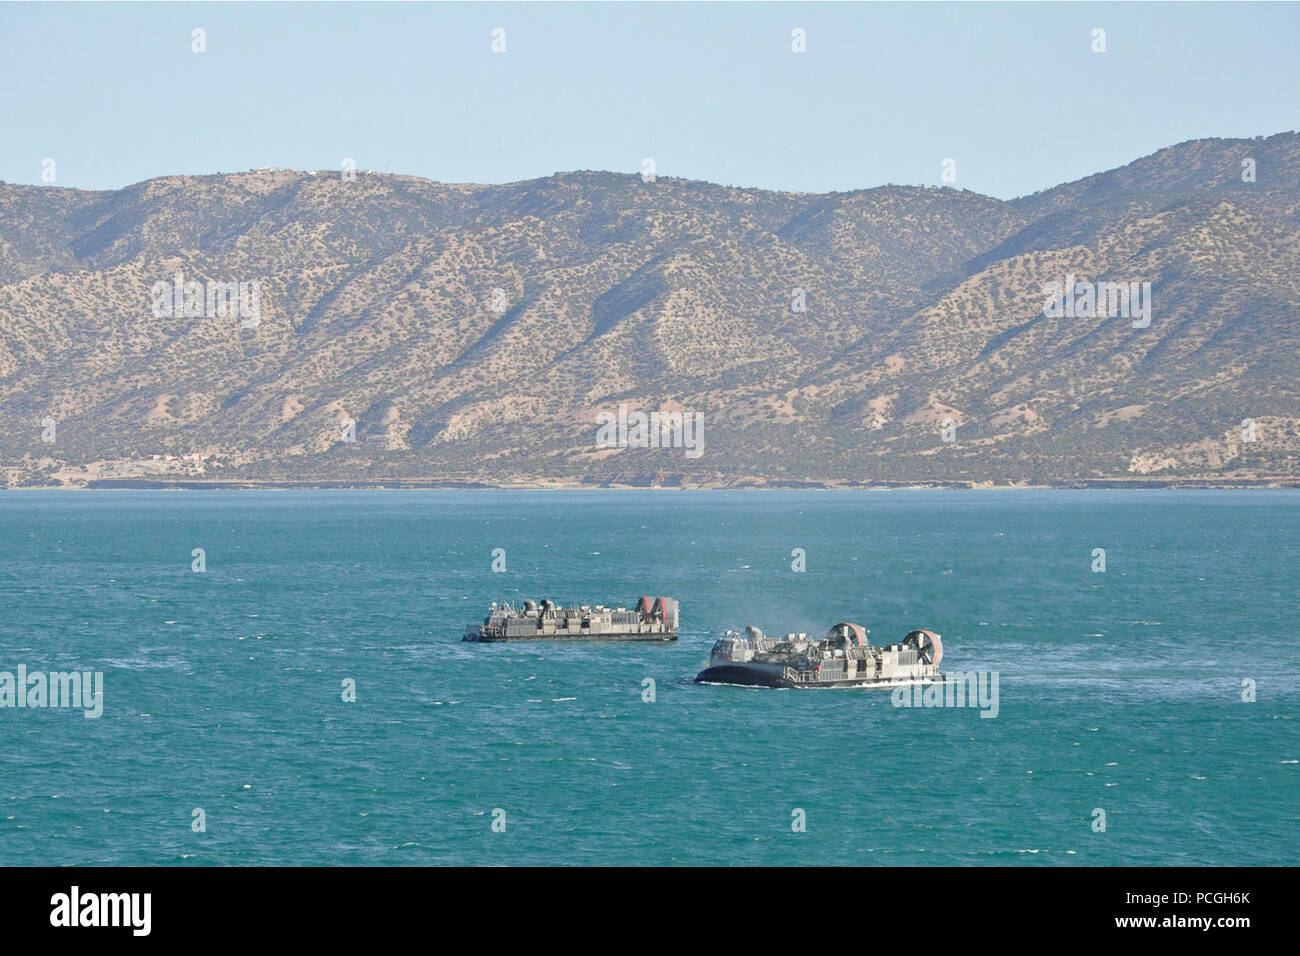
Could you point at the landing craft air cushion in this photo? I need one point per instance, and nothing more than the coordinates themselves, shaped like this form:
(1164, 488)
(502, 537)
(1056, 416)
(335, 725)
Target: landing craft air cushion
(653, 619)
(843, 659)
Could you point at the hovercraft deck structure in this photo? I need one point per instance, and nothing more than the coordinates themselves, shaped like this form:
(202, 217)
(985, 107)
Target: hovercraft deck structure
(843, 659)
(653, 619)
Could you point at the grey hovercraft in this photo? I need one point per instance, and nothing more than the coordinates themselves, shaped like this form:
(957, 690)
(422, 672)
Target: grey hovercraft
(653, 619)
(843, 659)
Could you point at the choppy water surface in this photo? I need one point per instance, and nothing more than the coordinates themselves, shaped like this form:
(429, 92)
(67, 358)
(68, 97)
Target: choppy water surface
(1119, 691)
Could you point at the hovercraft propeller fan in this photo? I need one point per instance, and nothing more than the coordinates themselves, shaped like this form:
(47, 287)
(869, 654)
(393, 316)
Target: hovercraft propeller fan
(928, 646)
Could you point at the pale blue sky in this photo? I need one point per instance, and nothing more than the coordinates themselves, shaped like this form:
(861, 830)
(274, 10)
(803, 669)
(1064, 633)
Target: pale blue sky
(1013, 92)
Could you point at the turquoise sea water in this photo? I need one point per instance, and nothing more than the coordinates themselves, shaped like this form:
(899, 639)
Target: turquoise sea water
(1120, 691)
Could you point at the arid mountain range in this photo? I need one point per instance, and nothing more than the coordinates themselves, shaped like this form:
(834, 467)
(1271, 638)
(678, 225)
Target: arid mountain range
(410, 330)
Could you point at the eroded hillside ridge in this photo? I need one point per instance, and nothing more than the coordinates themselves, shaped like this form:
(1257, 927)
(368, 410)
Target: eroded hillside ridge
(286, 326)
